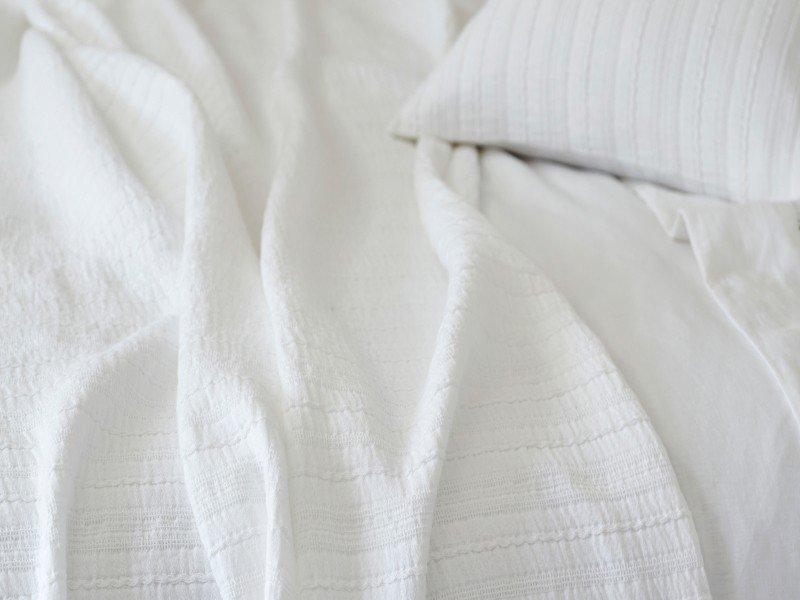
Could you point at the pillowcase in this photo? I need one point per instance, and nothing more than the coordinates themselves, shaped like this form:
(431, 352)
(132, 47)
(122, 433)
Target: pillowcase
(700, 95)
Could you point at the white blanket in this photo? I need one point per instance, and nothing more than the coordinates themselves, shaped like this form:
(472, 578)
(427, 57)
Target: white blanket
(254, 347)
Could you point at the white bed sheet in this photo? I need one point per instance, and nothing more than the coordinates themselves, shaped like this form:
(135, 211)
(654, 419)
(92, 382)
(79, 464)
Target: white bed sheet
(727, 426)
(197, 251)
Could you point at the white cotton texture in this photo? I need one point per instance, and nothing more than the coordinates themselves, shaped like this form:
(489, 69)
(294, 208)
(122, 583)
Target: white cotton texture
(698, 95)
(268, 351)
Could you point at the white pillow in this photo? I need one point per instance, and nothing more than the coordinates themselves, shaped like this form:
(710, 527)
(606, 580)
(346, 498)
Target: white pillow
(701, 95)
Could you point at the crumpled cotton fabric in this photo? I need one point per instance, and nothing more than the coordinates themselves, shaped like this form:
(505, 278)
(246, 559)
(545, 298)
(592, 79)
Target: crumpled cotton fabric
(749, 258)
(256, 348)
(715, 403)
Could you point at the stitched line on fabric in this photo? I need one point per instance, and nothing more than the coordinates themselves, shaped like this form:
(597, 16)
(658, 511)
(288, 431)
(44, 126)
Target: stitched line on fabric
(359, 585)
(131, 483)
(349, 476)
(247, 534)
(245, 434)
(439, 554)
(135, 582)
(555, 443)
(623, 464)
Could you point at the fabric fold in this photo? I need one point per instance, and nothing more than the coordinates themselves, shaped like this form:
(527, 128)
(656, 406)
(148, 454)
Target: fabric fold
(378, 398)
(542, 411)
(749, 258)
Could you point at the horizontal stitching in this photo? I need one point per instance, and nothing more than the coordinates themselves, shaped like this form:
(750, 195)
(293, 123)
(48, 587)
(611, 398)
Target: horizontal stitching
(247, 534)
(621, 464)
(349, 476)
(135, 582)
(358, 584)
(131, 483)
(11, 499)
(582, 385)
(439, 554)
(243, 435)
(13, 447)
(554, 443)
(557, 366)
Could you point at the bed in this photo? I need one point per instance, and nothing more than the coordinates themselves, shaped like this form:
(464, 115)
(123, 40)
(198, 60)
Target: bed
(268, 332)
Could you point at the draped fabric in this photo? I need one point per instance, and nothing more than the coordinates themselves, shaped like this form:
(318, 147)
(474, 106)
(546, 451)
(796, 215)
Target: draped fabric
(256, 347)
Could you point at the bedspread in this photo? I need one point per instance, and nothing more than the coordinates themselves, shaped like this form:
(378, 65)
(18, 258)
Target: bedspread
(256, 347)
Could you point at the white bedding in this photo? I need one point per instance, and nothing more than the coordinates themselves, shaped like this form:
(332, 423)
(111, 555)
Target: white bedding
(728, 427)
(253, 346)
(698, 95)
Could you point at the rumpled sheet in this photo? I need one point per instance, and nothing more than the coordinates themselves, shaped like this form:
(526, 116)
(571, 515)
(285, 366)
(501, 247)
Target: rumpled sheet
(254, 347)
(724, 418)
(749, 257)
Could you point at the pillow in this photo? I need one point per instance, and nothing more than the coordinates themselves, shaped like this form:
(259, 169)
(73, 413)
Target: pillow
(700, 95)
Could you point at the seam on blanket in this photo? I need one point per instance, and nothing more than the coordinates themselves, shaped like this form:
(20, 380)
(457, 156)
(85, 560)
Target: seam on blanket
(245, 535)
(349, 476)
(135, 582)
(243, 435)
(556, 443)
(502, 543)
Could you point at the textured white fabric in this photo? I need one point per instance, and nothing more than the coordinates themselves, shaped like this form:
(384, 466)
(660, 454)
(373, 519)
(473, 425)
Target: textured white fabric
(700, 95)
(749, 257)
(376, 396)
(722, 415)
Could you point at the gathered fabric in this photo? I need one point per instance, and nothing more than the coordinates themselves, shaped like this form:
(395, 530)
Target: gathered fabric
(256, 347)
